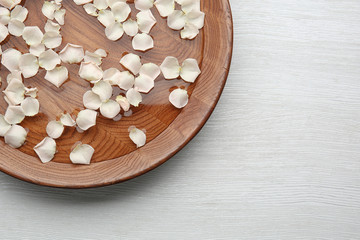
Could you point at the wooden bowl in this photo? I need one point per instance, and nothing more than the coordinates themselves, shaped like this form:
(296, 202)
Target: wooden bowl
(168, 129)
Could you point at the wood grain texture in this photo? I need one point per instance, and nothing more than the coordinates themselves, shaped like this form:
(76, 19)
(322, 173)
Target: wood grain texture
(278, 158)
(168, 129)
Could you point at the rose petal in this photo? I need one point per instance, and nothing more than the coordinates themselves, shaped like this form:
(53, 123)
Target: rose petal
(131, 62)
(130, 27)
(138, 137)
(190, 70)
(32, 35)
(114, 31)
(91, 100)
(14, 75)
(4, 126)
(93, 57)
(101, 52)
(110, 109)
(179, 98)
(126, 80)
(67, 120)
(3, 32)
(144, 83)
(57, 76)
(150, 70)
(90, 71)
(143, 5)
(72, 53)
(28, 65)
(86, 119)
(103, 89)
(49, 59)
(48, 9)
(134, 97)
(30, 106)
(54, 129)
(112, 75)
(82, 154)
(82, 2)
(189, 32)
(100, 4)
(91, 9)
(170, 68)
(52, 39)
(111, 3)
(38, 49)
(106, 17)
(165, 7)
(19, 13)
(196, 18)
(176, 20)
(188, 5)
(10, 59)
(4, 16)
(145, 20)
(121, 11)
(142, 42)
(50, 26)
(31, 92)
(16, 136)
(46, 149)
(14, 114)
(16, 27)
(15, 91)
(60, 16)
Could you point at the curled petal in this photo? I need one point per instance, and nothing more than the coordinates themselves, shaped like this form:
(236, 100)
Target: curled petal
(57, 76)
(134, 97)
(60, 16)
(114, 31)
(37, 49)
(4, 16)
(112, 75)
(145, 20)
(126, 80)
(82, 154)
(196, 18)
(49, 59)
(15, 136)
(189, 32)
(190, 70)
(46, 149)
(137, 136)
(67, 120)
(10, 59)
(179, 98)
(30, 106)
(54, 129)
(93, 57)
(14, 114)
(131, 62)
(90, 71)
(32, 35)
(150, 70)
(31, 92)
(121, 11)
(50, 26)
(123, 102)
(106, 17)
(72, 53)
(52, 39)
(144, 83)
(110, 109)
(3, 32)
(28, 65)
(103, 89)
(14, 75)
(142, 42)
(86, 119)
(15, 91)
(101, 52)
(91, 100)
(143, 5)
(131, 27)
(4, 126)
(170, 68)
(165, 7)
(19, 13)
(176, 20)
(91, 9)
(16, 27)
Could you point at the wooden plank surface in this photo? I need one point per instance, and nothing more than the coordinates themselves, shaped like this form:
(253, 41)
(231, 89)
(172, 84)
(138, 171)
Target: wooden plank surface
(278, 159)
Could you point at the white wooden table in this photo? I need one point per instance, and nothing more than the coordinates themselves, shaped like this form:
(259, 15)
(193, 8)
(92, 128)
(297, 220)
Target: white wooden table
(278, 159)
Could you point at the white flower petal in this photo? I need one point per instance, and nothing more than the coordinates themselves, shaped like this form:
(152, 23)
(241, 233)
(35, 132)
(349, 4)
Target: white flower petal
(72, 53)
(91, 100)
(38, 49)
(15, 91)
(31, 92)
(30, 106)
(10, 59)
(46, 149)
(103, 89)
(170, 68)
(101, 52)
(90, 71)
(14, 114)
(123, 102)
(82, 2)
(112, 75)
(121, 11)
(134, 97)
(190, 70)
(28, 65)
(165, 7)
(131, 62)
(126, 80)
(4, 16)
(82, 154)
(86, 119)
(49, 59)
(179, 98)
(130, 27)
(142, 42)
(16, 27)
(50, 26)
(114, 31)
(67, 120)
(4, 126)
(3, 32)
(19, 13)
(176, 20)
(91, 9)
(110, 109)
(60, 16)
(113, 2)
(144, 83)
(100, 4)
(190, 31)
(55, 129)
(188, 5)
(196, 18)
(52, 39)
(93, 57)
(150, 70)
(143, 5)
(145, 20)
(32, 35)
(16, 136)
(138, 137)
(14, 75)
(48, 9)
(57, 76)
(106, 17)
